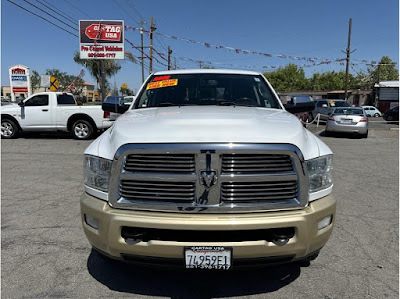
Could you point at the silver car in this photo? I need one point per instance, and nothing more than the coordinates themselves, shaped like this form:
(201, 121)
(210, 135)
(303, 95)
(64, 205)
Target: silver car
(347, 120)
(324, 107)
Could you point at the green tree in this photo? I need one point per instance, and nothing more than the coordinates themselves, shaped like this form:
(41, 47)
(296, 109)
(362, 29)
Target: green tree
(385, 70)
(330, 81)
(288, 78)
(35, 80)
(127, 92)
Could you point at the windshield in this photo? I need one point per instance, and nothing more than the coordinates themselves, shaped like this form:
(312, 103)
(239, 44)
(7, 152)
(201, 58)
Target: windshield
(207, 89)
(353, 111)
(339, 104)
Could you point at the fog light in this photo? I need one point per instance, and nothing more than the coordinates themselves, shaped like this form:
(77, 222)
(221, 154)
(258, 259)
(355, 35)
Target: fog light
(324, 222)
(91, 221)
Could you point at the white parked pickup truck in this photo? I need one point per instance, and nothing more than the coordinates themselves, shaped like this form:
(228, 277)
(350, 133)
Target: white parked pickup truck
(53, 111)
(208, 170)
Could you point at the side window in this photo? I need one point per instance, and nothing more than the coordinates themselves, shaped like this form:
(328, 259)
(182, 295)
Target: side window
(40, 100)
(367, 108)
(65, 99)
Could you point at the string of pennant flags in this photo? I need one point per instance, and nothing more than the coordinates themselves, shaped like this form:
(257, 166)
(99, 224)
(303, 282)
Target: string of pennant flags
(312, 61)
(247, 66)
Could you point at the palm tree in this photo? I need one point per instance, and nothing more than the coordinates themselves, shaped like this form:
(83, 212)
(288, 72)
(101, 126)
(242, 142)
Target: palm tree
(111, 67)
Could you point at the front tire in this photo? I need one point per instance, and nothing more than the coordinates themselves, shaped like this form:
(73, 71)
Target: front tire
(9, 129)
(389, 118)
(376, 115)
(82, 129)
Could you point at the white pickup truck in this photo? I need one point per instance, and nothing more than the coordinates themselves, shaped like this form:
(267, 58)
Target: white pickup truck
(207, 169)
(53, 111)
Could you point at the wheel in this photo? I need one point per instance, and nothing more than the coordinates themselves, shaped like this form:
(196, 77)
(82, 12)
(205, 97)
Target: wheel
(8, 129)
(376, 115)
(82, 129)
(389, 118)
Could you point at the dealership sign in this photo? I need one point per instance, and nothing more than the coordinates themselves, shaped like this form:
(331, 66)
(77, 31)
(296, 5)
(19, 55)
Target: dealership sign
(101, 39)
(19, 79)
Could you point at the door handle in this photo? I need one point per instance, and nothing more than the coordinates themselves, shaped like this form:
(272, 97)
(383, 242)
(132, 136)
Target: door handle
(45, 110)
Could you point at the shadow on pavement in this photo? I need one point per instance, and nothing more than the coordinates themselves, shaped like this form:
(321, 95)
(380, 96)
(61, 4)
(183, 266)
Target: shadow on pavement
(50, 135)
(341, 135)
(128, 278)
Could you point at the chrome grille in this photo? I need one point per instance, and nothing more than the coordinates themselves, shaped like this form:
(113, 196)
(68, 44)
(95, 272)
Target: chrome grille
(258, 191)
(171, 163)
(245, 163)
(172, 177)
(153, 190)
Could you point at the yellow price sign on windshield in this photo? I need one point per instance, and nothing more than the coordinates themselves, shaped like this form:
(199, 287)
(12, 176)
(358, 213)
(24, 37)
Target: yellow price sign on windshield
(164, 83)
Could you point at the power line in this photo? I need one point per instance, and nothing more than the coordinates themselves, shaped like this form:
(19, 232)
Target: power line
(42, 18)
(49, 14)
(65, 15)
(78, 9)
(135, 10)
(125, 11)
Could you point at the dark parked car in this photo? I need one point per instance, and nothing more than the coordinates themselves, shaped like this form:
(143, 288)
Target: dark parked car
(392, 114)
(300, 100)
(120, 104)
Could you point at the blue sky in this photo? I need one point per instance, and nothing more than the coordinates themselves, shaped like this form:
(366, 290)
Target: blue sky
(298, 28)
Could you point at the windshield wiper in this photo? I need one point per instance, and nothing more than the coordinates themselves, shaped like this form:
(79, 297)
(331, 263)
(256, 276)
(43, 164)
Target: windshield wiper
(235, 104)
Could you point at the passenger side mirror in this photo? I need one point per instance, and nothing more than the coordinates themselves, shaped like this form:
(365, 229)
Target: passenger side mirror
(300, 107)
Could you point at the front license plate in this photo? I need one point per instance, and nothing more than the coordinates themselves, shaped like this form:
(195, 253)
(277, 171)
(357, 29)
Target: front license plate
(208, 257)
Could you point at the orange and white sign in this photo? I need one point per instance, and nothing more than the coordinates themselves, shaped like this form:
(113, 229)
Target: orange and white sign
(163, 83)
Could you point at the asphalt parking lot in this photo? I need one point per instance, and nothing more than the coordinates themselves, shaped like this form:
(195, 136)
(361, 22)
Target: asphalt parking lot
(45, 253)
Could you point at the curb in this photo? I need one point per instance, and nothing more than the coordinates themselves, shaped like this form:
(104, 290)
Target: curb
(394, 129)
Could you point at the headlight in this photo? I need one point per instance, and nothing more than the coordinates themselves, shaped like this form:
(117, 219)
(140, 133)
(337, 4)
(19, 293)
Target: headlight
(320, 173)
(97, 172)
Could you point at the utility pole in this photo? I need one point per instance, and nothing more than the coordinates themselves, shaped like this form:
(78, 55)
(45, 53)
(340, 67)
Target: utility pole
(152, 29)
(103, 81)
(174, 63)
(169, 57)
(379, 72)
(347, 61)
(141, 48)
(200, 64)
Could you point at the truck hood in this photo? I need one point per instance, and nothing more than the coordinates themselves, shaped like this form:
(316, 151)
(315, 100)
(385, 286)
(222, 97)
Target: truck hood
(206, 124)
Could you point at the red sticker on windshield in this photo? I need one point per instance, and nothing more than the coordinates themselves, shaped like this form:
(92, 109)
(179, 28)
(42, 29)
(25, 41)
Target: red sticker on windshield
(161, 78)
